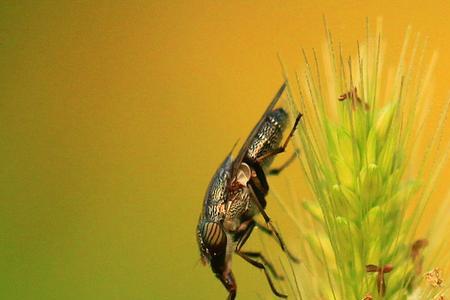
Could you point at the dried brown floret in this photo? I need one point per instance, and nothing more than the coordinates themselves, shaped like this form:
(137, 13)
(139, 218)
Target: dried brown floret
(381, 284)
(434, 277)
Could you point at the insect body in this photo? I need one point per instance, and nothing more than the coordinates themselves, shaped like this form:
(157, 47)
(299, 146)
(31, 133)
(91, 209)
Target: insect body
(236, 194)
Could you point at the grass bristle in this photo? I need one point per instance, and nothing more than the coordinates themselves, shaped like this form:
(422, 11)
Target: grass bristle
(361, 151)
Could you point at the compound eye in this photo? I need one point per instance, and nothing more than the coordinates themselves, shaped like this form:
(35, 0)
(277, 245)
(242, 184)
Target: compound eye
(244, 174)
(214, 237)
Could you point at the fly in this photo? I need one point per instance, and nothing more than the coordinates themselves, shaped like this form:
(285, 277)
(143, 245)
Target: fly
(236, 194)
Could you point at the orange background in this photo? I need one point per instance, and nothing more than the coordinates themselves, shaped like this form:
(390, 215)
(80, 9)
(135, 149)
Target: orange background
(114, 117)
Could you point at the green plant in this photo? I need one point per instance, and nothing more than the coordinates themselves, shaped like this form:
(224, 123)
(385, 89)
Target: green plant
(361, 150)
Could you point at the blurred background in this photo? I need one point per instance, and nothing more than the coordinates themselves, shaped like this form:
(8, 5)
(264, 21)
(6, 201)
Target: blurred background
(114, 116)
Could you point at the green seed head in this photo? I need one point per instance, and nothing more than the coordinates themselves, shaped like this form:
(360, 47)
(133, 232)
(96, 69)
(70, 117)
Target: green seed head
(357, 154)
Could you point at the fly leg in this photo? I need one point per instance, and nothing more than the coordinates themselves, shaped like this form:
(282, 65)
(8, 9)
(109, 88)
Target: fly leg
(265, 262)
(282, 148)
(258, 198)
(276, 171)
(242, 239)
(268, 231)
(264, 265)
(261, 266)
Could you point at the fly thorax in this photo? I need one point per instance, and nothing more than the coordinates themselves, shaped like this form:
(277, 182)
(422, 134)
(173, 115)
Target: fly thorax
(238, 204)
(215, 211)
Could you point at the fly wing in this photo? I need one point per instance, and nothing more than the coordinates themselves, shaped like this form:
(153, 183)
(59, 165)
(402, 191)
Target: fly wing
(240, 157)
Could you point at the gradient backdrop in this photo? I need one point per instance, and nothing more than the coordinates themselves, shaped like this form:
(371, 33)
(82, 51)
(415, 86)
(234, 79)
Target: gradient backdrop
(114, 115)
